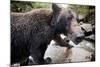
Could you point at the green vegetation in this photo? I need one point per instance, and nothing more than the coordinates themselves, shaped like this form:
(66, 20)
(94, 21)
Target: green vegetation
(40, 5)
(24, 6)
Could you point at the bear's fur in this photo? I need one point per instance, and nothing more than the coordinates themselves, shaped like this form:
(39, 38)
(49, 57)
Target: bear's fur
(31, 33)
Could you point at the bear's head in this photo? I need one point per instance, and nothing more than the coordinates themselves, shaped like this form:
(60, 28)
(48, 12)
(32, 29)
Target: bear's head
(65, 22)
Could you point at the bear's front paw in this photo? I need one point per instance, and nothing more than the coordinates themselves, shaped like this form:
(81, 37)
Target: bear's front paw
(48, 60)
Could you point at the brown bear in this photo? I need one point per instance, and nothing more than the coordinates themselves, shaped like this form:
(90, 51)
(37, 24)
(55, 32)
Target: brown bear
(31, 32)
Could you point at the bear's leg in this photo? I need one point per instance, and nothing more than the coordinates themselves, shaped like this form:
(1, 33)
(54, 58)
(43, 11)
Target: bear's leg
(25, 62)
(37, 58)
(38, 54)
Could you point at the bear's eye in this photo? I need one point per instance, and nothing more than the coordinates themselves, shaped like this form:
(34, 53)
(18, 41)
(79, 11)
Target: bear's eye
(70, 17)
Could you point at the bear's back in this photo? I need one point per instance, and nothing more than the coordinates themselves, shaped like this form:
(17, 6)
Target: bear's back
(35, 18)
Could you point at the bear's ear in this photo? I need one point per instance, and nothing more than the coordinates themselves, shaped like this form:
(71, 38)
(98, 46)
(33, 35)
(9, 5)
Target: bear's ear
(56, 11)
(55, 8)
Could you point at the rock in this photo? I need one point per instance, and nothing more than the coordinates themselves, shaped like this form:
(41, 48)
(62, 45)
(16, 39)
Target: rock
(90, 18)
(81, 16)
(83, 52)
(87, 27)
(91, 37)
(78, 54)
(56, 53)
(87, 45)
